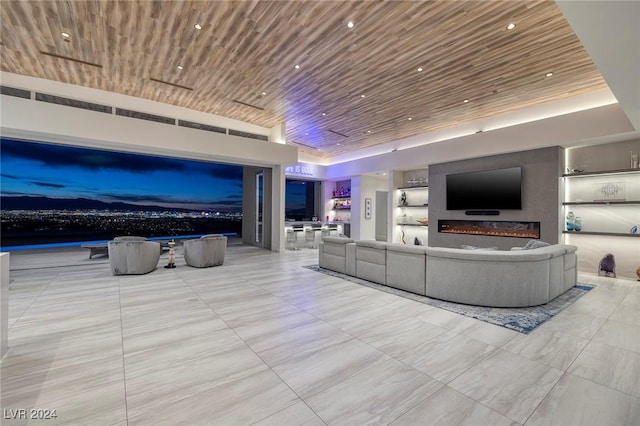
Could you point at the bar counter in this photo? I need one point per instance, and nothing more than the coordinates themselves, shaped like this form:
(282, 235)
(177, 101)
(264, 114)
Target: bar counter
(307, 234)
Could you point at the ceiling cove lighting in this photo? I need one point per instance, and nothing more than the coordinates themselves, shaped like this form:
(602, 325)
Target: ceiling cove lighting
(197, 26)
(350, 24)
(511, 26)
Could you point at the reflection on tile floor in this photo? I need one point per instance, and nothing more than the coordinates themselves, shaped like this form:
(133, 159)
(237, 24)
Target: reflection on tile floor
(263, 340)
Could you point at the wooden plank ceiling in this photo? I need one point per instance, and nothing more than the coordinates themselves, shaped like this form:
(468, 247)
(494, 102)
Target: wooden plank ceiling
(356, 87)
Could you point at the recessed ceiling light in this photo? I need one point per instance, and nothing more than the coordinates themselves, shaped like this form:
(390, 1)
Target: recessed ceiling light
(350, 24)
(306, 134)
(324, 113)
(296, 66)
(384, 174)
(549, 74)
(466, 101)
(368, 131)
(338, 143)
(409, 118)
(420, 69)
(363, 96)
(180, 67)
(511, 26)
(66, 35)
(197, 26)
(264, 93)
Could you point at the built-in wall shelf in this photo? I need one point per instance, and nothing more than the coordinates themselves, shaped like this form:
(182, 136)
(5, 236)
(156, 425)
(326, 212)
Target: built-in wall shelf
(414, 206)
(603, 172)
(610, 234)
(598, 203)
(602, 203)
(342, 197)
(414, 187)
(411, 224)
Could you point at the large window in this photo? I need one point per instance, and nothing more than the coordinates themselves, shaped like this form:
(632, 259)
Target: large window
(55, 193)
(301, 199)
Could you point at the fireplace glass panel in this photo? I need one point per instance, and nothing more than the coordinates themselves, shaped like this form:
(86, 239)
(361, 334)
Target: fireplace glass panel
(530, 230)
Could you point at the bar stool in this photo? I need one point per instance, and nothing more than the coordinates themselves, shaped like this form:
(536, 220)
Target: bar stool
(296, 229)
(317, 228)
(310, 237)
(292, 237)
(324, 232)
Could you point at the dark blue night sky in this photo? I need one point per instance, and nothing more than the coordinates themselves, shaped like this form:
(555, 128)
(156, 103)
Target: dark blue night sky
(295, 195)
(58, 171)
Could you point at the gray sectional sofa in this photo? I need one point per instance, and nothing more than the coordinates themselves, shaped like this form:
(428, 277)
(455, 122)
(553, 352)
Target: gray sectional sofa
(476, 277)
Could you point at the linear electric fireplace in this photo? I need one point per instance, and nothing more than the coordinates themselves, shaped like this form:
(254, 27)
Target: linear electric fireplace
(491, 228)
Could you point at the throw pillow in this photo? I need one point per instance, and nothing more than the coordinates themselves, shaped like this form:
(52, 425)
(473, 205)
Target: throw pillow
(534, 244)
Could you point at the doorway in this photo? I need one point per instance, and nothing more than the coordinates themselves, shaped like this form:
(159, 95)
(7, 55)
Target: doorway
(259, 206)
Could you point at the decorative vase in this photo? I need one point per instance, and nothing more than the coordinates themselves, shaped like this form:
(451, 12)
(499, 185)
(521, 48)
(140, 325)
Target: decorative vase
(570, 221)
(577, 224)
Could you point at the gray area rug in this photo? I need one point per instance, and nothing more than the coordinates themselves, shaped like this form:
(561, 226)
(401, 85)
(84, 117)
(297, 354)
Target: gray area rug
(523, 320)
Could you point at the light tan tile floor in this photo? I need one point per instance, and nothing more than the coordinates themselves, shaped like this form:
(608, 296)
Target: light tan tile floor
(262, 340)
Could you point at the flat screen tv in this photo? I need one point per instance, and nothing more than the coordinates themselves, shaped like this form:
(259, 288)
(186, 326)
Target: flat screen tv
(485, 190)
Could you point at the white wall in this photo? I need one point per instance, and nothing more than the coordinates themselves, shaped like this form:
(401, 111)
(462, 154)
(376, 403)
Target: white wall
(278, 206)
(40, 121)
(361, 228)
(610, 32)
(130, 102)
(357, 207)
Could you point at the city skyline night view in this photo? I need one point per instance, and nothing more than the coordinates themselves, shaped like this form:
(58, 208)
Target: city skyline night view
(54, 194)
(58, 171)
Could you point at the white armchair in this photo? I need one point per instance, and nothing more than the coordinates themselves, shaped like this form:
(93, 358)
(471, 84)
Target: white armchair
(133, 255)
(206, 251)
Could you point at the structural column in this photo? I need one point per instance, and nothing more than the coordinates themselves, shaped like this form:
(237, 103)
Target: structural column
(4, 304)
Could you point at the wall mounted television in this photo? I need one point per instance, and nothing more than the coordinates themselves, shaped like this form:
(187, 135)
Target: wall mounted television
(499, 189)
